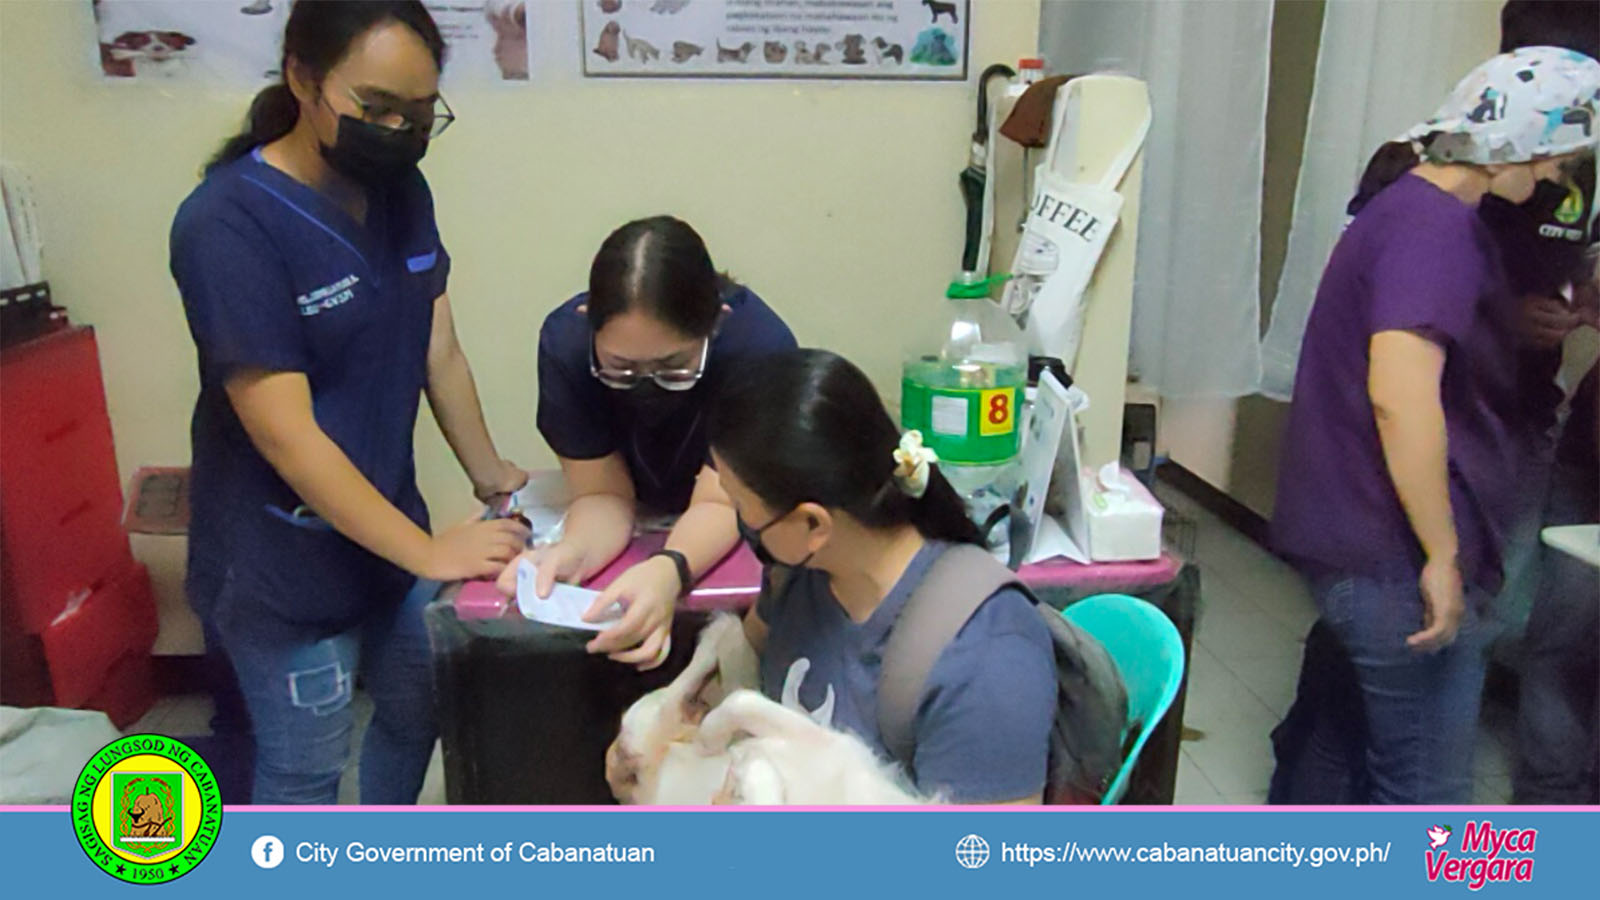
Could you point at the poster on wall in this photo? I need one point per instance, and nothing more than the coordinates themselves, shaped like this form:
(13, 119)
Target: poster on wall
(864, 39)
(229, 42)
(240, 41)
(487, 40)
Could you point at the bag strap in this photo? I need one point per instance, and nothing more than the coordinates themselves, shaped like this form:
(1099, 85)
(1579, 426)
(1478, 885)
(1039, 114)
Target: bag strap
(1066, 121)
(774, 581)
(953, 588)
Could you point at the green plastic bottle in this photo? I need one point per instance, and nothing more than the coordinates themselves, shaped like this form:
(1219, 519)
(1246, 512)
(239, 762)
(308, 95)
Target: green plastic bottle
(963, 389)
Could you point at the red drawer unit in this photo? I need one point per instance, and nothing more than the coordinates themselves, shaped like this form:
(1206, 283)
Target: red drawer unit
(77, 609)
(85, 645)
(60, 497)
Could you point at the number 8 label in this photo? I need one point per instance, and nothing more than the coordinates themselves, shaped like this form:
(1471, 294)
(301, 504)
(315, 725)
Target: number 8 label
(996, 413)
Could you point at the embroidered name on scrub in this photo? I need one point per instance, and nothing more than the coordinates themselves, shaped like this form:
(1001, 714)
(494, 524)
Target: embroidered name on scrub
(328, 296)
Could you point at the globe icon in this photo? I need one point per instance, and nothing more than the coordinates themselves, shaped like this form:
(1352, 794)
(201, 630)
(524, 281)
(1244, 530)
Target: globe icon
(972, 852)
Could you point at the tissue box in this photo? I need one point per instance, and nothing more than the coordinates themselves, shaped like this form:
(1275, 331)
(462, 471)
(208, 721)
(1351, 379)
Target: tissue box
(1124, 518)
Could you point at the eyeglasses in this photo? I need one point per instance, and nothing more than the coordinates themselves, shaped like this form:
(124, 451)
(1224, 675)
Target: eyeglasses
(666, 379)
(427, 117)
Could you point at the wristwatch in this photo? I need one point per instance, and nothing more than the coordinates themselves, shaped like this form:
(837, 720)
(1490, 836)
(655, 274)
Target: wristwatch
(685, 578)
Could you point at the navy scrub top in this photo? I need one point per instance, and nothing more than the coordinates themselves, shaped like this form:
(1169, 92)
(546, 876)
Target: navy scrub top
(276, 276)
(581, 418)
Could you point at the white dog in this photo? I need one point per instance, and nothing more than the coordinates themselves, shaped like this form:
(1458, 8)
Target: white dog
(653, 761)
(777, 756)
(710, 737)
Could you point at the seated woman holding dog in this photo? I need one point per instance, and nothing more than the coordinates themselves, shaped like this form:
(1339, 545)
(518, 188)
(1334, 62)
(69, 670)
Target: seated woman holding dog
(627, 371)
(812, 462)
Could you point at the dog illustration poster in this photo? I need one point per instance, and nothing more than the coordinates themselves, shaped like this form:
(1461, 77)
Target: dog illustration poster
(883, 39)
(487, 39)
(241, 41)
(236, 41)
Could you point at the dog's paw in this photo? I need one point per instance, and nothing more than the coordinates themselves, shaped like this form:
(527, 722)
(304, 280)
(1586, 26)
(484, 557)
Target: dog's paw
(726, 721)
(753, 780)
(712, 739)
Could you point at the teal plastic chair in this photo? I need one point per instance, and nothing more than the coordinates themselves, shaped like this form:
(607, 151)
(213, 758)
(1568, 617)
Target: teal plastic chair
(1148, 653)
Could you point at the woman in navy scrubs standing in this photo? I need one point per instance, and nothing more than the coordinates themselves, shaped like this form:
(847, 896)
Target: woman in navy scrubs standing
(626, 372)
(313, 279)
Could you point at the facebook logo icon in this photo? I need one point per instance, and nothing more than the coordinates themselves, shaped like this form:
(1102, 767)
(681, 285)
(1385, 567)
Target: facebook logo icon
(267, 852)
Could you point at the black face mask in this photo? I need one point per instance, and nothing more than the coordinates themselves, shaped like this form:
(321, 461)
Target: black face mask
(650, 405)
(752, 537)
(372, 155)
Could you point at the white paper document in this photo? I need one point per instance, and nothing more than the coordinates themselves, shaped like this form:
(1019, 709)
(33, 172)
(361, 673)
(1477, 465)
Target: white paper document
(1052, 541)
(564, 607)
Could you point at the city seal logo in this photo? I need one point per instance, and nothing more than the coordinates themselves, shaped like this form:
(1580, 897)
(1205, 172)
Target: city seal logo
(1571, 210)
(146, 809)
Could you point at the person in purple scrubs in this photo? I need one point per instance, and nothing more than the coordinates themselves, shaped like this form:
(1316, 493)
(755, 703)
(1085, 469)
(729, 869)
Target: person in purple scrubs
(1396, 486)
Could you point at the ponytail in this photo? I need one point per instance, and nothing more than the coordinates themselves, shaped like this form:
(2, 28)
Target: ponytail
(1392, 160)
(807, 426)
(272, 115)
(941, 514)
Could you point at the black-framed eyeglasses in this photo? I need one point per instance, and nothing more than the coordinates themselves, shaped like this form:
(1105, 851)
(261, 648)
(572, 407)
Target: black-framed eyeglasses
(427, 117)
(666, 379)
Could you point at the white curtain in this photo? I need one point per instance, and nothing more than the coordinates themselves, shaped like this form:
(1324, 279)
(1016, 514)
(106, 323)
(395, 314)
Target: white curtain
(1196, 310)
(1382, 67)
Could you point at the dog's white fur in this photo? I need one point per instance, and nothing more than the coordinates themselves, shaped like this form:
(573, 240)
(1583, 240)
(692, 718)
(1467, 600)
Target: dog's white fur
(778, 756)
(711, 737)
(653, 760)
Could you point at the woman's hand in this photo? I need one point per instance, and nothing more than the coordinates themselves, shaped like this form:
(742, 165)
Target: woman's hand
(505, 478)
(567, 562)
(1443, 606)
(648, 593)
(1546, 321)
(473, 549)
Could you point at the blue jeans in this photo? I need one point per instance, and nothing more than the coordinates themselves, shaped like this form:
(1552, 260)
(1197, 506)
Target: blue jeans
(1559, 683)
(1522, 551)
(298, 693)
(1415, 714)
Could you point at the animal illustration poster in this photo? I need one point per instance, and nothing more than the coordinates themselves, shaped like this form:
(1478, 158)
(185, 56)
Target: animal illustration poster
(869, 39)
(190, 40)
(241, 41)
(487, 39)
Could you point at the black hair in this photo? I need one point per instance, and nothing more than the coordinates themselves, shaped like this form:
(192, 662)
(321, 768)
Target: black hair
(318, 36)
(1569, 24)
(1392, 160)
(661, 267)
(807, 426)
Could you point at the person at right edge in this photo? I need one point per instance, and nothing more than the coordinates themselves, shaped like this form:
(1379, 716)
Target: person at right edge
(1394, 495)
(1542, 244)
(1559, 665)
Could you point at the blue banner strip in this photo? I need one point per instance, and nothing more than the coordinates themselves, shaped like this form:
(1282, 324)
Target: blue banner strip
(1358, 853)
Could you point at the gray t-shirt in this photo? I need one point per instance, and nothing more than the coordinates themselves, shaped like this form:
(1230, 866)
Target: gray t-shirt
(983, 723)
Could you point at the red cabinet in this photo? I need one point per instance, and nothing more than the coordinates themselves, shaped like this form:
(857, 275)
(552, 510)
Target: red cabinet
(74, 599)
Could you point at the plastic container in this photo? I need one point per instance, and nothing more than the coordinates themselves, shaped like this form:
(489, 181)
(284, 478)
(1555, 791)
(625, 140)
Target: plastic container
(963, 389)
